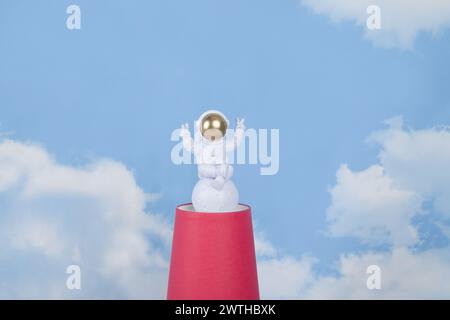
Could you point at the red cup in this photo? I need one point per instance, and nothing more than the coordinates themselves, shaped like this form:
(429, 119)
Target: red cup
(213, 256)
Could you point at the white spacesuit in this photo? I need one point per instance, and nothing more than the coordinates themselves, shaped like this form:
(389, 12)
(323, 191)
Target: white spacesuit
(214, 192)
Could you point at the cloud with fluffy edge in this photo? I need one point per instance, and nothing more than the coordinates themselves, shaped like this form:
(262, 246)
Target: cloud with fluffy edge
(53, 216)
(378, 205)
(401, 20)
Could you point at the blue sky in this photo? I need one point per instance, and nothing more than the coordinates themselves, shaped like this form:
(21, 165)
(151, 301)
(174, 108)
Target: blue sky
(136, 70)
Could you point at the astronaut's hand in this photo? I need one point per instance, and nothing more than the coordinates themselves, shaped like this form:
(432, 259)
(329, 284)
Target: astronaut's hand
(185, 130)
(240, 124)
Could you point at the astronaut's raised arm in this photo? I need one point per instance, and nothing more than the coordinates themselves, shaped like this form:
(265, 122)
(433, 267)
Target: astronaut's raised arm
(188, 142)
(239, 133)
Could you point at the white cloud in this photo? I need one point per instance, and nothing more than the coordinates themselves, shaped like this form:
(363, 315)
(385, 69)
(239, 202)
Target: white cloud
(366, 205)
(401, 20)
(418, 160)
(263, 247)
(52, 216)
(404, 275)
(377, 205)
(281, 276)
(285, 277)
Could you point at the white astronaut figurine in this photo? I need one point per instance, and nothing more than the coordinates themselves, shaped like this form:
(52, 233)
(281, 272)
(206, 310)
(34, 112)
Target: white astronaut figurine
(214, 192)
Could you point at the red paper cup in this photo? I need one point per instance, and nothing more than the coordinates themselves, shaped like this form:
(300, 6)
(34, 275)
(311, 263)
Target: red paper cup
(213, 256)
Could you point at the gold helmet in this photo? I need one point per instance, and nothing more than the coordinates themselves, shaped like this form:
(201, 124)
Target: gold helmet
(213, 125)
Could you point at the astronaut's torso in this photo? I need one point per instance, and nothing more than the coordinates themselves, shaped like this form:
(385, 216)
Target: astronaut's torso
(210, 153)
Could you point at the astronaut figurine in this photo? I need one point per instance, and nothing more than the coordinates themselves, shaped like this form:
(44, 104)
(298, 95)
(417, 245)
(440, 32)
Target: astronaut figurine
(214, 192)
